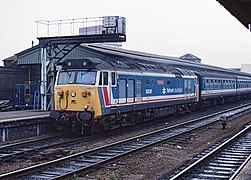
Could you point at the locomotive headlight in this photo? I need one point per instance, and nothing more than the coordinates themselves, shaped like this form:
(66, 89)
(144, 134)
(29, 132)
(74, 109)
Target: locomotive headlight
(86, 107)
(73, 93)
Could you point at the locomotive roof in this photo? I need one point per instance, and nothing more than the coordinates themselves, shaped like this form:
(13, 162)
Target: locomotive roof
(116, 65)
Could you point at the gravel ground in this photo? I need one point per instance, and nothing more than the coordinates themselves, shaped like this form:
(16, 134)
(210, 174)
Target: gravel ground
(142, 165)
(155, 162)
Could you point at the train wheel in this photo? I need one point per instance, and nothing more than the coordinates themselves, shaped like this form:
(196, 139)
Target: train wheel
(180, 109)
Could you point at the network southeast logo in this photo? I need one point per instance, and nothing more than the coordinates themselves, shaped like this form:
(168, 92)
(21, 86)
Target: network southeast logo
(171, 90)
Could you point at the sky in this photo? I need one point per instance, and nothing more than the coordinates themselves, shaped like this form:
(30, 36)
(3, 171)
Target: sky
(166, 27)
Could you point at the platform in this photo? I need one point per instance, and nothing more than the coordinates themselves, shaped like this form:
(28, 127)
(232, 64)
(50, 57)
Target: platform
(22, 115)
(23, 124)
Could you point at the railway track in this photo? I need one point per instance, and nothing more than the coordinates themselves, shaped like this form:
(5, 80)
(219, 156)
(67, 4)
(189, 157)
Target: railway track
(223, 162)
(12, 152)
(84, 161)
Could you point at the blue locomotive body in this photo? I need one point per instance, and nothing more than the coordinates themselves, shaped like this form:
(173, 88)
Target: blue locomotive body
(134, 91)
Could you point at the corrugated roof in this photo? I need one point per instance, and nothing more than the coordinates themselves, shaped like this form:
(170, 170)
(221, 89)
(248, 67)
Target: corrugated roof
(32, 55)
(29, 56)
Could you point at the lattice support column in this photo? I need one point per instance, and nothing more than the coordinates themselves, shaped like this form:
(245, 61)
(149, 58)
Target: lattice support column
(43, 85)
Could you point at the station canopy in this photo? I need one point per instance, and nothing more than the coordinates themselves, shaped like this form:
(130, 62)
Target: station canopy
(241, 9)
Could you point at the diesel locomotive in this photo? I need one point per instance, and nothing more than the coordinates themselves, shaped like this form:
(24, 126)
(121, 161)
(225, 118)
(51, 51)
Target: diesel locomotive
(98, 94)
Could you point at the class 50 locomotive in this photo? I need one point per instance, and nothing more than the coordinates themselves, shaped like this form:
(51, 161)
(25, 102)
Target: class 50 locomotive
(95, 92)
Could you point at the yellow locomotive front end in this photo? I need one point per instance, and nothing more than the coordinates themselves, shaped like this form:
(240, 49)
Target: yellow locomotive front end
(76, 97)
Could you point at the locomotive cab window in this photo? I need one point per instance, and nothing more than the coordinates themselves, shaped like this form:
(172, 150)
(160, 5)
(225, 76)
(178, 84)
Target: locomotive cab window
(87, 78)
(76, 77)
(66, 77)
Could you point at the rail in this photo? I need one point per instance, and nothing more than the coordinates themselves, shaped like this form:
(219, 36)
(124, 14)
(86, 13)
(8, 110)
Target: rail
(225, 161)
(84, 161)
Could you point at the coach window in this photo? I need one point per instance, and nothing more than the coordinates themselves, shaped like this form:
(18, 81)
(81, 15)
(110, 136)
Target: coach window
(211, 84)
(105, 78)
(113, 78)
(219, 84)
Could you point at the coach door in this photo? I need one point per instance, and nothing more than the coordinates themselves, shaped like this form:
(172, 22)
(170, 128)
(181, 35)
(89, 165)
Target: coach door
(187, 88)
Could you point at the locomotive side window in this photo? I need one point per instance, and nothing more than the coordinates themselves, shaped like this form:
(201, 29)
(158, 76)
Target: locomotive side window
(100, 78)
(105, 78)
(185, 86)
(189, 86)
(139, 89)
(113, 78)
(122, 90)
(130, 89)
